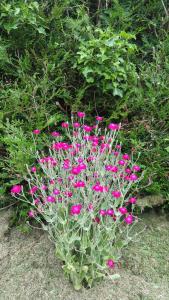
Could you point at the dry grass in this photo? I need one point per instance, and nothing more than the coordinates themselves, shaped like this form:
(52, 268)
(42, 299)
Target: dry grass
(29, 269)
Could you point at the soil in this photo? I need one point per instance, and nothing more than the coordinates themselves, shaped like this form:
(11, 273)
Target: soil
(30, 270)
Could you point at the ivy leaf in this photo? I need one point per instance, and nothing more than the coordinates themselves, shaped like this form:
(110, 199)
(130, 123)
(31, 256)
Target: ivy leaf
(117, 92)
(41, 30)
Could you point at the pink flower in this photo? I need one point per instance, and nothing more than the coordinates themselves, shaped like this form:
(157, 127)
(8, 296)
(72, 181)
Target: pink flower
(87, 128)
(68, 194)
(113, 126)
(80, 114)
(116, 153)
(76, 170)
(110, 263)
(16, 189)
(116, 194)
(108, 168)
(33, 169)
(52, 181)
(36, 201)
(136, 168)
(97, 188)
(82, 166)
(133, 177)
(97, 220)
(102, 212)
(56, 192)
(50, 199)
(31, 214)
(65, 125)
(76, 209)
(44, 187)
(118, 146)
(128, 170)
(79, 184)
(99, 118)
(126, 157)
(132, 200)
(121, 162)
(123, 210)
(55, 134)
(33, 190)
(110, 212)
(36, 131)
(90, 207)
(129, 219)
(114, 169)
(80, 160)
(76, 125)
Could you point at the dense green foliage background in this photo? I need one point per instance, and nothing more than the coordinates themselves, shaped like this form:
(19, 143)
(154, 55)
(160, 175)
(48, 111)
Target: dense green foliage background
(109, 58)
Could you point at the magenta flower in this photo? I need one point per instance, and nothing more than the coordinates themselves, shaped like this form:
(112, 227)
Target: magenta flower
(33, 190)
(116, 153)
(65, 125)
(132, 200)
(97, 188)
(102, 212)
(129, 219)
(110, 263)
(36, 201)
(121, 162)
(80, 114)
(36, 131)
(31, 214)
(114, 169)
(128, 170)
(33, 170)
(99, 118)
(16, 189)
(133, 177)
(52, 181)
(113, 126)
(87, 128)
(79, 184)
(55, 134)
(123, 210)
(68, 194)
(108, 168)
(90, 207)
(44, 187)
(97, 220)
(56, 192)
(75, 209)
(76, 125)
(110, 212)
(50, 199)
(136, 168)
(116, 194)
(126, 157)
(76, 170)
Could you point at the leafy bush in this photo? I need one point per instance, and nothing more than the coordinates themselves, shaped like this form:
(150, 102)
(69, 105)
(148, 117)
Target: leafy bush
(82, 194)
(45, 59)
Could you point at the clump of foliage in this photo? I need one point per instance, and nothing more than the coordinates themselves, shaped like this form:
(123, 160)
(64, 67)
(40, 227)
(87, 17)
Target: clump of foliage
(82, 194)
(48, 69)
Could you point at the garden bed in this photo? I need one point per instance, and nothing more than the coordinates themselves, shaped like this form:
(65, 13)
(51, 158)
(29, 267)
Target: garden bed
(29, 269)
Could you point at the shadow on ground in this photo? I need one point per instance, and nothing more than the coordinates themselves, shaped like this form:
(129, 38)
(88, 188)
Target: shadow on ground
(29, 269)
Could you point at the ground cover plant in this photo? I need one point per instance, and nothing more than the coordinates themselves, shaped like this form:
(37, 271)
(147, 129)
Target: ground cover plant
(83, 193)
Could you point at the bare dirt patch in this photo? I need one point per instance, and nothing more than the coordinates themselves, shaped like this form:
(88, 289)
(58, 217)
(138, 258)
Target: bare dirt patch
(29, 269)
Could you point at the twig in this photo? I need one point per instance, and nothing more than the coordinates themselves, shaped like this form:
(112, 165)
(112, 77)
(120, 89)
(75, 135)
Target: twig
(8, 205)
(165, 9)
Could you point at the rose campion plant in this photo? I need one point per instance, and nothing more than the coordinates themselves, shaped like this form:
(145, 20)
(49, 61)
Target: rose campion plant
(80, 192)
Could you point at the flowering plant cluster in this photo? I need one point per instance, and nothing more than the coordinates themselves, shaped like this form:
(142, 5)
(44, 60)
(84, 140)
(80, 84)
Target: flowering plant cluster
(81, 194)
